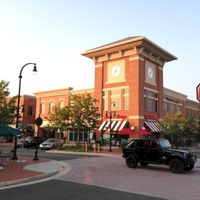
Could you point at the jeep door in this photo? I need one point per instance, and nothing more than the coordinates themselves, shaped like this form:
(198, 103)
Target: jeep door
(141, 149)
(153, 151)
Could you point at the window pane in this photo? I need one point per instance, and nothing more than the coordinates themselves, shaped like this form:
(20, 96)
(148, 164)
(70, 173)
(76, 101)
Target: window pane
(165, 107)
(150, 94)
(126, 103)
(150, 105)
(178, 108)
(30, 110)
(172, 109)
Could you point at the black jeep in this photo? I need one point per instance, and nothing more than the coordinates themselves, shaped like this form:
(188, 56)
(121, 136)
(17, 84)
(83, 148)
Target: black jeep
(157, 151)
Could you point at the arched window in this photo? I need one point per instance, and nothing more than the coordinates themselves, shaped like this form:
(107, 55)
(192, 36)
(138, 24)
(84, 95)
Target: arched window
(51, 106)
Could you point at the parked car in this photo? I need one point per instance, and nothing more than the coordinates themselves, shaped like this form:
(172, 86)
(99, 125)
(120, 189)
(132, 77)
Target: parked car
(20, 143)
(158, 151)
(31, 141)
(51, 143)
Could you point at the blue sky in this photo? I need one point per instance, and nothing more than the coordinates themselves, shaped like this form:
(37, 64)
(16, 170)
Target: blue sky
(54, 33)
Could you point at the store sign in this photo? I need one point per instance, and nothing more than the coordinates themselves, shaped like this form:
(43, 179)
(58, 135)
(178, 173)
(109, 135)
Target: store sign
(151, 117)
(198, 92)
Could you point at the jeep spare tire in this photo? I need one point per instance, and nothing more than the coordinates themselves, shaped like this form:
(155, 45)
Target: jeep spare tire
(131, 161)
(176, 166)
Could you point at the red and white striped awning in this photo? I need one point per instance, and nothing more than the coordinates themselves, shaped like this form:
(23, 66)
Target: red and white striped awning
(116, 125)
(154, 126)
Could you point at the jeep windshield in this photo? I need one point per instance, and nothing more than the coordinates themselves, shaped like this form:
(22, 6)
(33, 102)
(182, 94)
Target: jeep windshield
(164, 144)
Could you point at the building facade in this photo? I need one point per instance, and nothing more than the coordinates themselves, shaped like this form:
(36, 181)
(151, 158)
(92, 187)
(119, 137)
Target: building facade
(129, 87)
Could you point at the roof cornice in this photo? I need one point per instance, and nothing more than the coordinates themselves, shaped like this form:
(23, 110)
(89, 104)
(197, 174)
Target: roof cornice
(139, 43)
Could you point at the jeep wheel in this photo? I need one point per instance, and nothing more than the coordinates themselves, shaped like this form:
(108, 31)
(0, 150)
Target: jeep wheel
(144, 164)
(176, 166)
(189, 167)
(131, 161)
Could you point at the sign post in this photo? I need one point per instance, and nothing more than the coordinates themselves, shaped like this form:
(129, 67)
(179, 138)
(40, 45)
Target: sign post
(38, 122)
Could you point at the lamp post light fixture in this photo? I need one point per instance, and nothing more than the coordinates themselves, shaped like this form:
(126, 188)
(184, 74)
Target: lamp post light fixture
(14, 157)
(111, 114)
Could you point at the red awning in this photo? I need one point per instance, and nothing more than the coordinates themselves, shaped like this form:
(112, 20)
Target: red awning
(143, 132)
(126, 131)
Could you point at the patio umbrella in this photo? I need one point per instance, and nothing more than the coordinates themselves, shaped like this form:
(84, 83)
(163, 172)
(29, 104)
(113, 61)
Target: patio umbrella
(143, 132)
(9, 131)
(126, 131)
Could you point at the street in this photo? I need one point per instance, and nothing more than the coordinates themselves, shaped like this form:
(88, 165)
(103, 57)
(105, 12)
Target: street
(60, 190)
(104, 177)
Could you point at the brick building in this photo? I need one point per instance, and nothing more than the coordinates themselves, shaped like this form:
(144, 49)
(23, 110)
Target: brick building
(129, 87)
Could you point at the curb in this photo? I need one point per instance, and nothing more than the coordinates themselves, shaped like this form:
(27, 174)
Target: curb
(62, 168)
(84, 153)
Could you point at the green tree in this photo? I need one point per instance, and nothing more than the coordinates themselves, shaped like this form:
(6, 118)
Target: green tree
(177, 127)
(81, 113)
(82, 109)
(6, 106)
(55, 119)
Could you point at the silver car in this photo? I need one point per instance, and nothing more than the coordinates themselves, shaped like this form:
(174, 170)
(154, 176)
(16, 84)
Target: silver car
(51, 143)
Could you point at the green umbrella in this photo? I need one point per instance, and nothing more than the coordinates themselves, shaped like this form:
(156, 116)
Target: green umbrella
(9, 131)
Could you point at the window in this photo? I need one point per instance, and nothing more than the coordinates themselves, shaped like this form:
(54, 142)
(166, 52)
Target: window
(126, 99)
(126, 91)
(115, 96)
(126, 102)
(74, 136)
(30, 110)
(119, 96)
(150, 101)
(117, 104)
(115, 92)
(178, 108)
(42, 108)
(172, 109)
(61, 104)
(51, 106)
(140, 144)
(165, 107)
(150, 105)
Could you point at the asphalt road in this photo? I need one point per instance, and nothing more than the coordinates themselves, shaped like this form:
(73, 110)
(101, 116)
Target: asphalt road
(59, 190)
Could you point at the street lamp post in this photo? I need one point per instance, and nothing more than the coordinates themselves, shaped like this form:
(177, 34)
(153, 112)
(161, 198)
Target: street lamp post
(110, 114)
(14, 157)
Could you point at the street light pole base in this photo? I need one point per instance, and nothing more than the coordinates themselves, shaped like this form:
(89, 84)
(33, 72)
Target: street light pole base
(14, 157)
(35, 158)
(36, 155)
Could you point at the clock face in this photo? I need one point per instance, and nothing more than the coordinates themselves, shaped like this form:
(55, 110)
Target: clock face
(115, 71)
(150, 72)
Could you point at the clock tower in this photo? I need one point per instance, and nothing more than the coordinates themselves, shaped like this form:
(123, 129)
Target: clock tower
(129, 72)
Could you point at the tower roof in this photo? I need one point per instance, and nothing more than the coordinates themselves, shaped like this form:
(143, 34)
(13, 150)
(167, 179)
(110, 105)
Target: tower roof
(139, 42)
